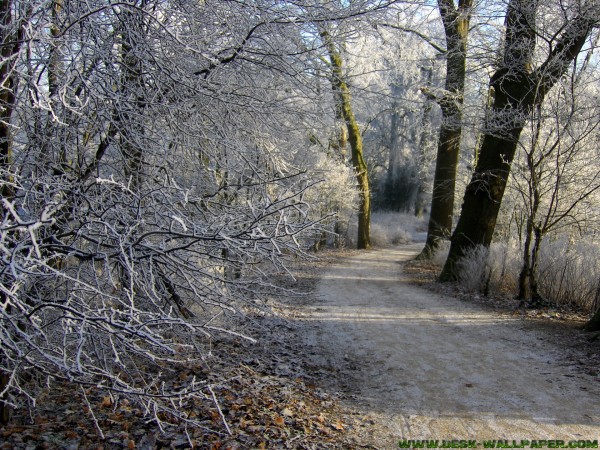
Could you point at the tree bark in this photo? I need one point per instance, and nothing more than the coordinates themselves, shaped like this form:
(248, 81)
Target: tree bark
(456, 26)
(594, 322)
(528, 286)
(11, 38)
(354, 139)
(517, 89)
(394, 154)
(424, 139)
(132, 128)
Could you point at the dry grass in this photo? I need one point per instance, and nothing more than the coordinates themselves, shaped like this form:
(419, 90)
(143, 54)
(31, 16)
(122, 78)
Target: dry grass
(568, 273)
(389, 229)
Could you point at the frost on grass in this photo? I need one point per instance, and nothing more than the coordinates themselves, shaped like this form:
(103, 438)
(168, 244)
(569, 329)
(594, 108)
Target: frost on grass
(568, 273)
(389, 229)
(493, 269)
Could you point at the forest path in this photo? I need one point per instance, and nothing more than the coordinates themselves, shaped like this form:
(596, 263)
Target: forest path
(426, 366)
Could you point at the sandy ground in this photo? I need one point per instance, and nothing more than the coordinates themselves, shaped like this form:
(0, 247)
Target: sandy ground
(424, 366)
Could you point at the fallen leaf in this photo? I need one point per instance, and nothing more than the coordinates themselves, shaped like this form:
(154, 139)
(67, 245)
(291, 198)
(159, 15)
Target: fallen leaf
(117, 417)
(70, 434)
(338, 425)
(12, 430)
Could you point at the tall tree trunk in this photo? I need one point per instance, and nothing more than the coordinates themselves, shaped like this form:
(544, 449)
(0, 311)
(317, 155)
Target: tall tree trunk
(354, 139)
(394, 154)
(341, 143)
(524, 293)
(528, 285)
(517, 89)
(11, 38)
(527, 277)
(483, 197)
(594, 322)
(424, 140)
(456, 26)
(535, 258)
(132, 128)
(55, 73)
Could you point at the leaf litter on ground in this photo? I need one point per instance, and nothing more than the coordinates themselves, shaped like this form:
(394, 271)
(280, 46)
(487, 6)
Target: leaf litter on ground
(259, 395)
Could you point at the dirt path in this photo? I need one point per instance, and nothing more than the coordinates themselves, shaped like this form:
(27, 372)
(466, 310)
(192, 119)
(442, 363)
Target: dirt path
(423, 366)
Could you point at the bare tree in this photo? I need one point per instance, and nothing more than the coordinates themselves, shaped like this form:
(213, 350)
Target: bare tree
(556, 178)
(144, 147)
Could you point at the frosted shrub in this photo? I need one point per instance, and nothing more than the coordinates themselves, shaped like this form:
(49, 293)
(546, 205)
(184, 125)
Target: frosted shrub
(441, 253)
(473, 270)
(388, 228)
(569, 273)
(351, 232)
(505, 263)
(494, 269)
(333, 199)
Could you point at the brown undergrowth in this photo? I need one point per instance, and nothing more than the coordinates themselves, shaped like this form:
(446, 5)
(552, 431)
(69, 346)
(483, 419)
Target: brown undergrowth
(257, 395)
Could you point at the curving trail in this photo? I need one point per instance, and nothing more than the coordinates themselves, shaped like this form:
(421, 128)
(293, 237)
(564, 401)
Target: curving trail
(432, 367)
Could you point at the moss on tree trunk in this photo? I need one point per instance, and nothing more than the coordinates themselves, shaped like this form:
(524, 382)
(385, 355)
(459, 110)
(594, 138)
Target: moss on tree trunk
(342, 92)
